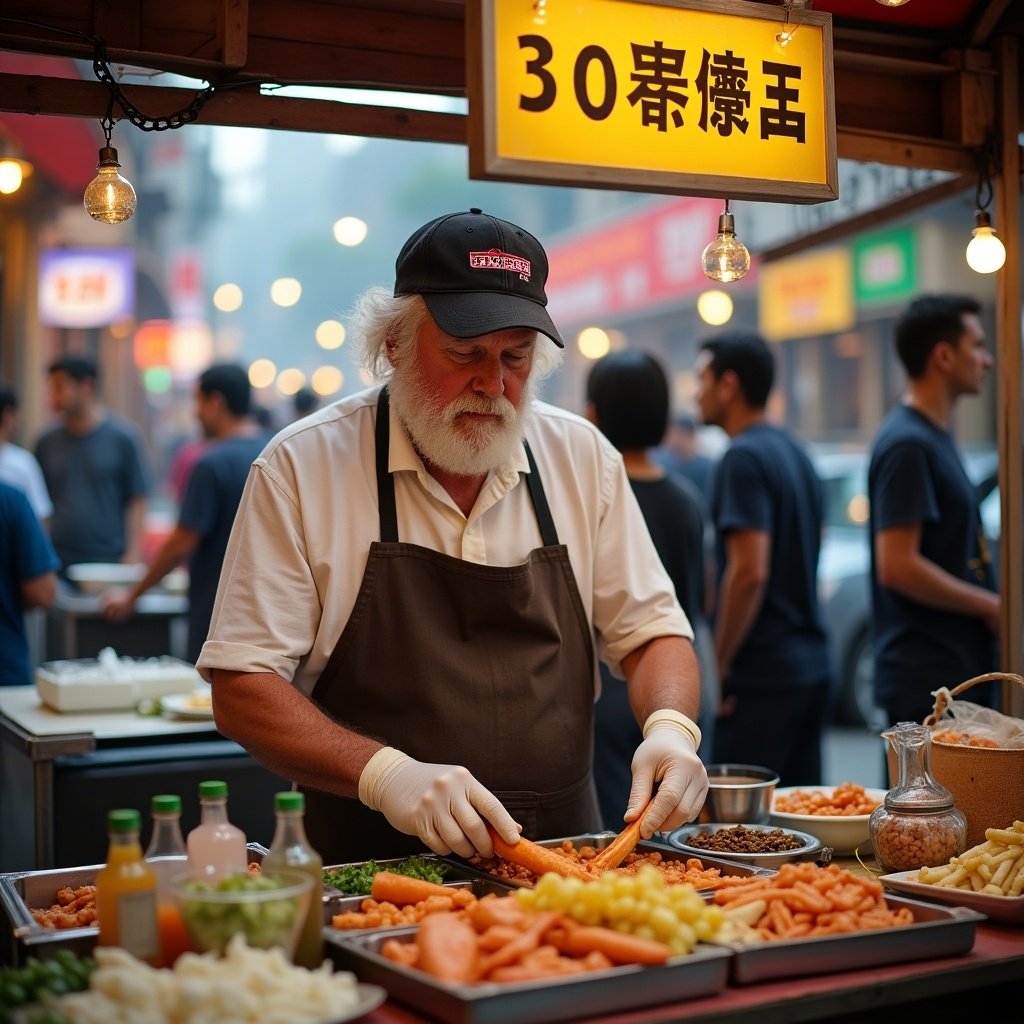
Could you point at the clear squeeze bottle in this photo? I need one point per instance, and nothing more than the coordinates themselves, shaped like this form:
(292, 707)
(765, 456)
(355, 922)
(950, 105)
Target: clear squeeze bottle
(215, 846)
(126, 892)
(167, 856)
(290, 849)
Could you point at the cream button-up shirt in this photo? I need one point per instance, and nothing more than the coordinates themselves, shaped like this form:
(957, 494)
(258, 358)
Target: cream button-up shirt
(297, 553)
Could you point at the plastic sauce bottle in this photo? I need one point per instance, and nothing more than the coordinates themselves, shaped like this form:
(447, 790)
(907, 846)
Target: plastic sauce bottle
(126, 892)
(215, 846)
(167, 856)
(290, 849)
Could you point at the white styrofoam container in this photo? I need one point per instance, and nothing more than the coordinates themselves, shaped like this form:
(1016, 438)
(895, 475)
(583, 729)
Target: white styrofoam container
(84, 685)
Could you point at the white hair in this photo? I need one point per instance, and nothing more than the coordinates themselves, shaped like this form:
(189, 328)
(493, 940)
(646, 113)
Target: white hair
(378, 317)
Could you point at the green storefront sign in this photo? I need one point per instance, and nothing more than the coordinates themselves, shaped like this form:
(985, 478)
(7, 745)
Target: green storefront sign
(885, 267)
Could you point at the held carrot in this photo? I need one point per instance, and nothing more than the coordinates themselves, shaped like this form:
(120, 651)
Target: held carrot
(400, 889)
(623, 844)
(448, 948)
(619, 947)
(538, 859)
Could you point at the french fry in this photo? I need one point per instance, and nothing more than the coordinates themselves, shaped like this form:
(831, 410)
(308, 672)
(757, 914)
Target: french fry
(994, 867)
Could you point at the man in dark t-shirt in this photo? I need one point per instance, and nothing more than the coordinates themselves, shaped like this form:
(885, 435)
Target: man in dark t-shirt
(28, 566)
(935, 610)
(215, 485)
(94, 470)
(628, 399)
(767, 505)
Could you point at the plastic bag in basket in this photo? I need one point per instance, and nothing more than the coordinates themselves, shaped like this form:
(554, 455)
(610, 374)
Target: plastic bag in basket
(961, 722)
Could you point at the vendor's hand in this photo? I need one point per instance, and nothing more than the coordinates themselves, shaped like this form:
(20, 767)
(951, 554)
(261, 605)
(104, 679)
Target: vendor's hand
(443, 804)
(666, 758)
(117, 605)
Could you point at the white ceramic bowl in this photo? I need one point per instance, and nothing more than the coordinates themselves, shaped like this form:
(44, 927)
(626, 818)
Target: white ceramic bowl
(844, 833)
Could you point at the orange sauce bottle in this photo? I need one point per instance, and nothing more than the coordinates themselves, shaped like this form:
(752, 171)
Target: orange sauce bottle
(126, 892)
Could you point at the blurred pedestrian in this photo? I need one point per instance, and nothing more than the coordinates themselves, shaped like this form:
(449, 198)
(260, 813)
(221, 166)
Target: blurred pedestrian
(678, 452)
(215, 485)
(94, 468)
(628, 400)
(28, 579)
(935, 609)
(767, 505)
(304, 401)
(18, 467)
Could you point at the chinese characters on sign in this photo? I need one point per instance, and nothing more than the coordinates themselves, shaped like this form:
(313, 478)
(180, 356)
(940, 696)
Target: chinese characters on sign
(86, 287)
(690, 97)
(661, 90)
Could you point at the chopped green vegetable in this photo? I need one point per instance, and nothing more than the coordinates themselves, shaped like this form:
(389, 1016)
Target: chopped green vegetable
(40, 980)
(357, 879)
(264, 923)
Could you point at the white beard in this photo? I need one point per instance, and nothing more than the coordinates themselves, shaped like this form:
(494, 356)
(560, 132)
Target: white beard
(454, 444)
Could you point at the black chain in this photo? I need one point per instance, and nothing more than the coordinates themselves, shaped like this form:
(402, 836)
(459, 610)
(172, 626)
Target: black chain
(985, 156)
(131, 112)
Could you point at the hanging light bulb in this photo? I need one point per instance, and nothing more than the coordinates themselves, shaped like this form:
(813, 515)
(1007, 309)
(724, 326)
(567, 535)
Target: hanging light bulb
(109, 197)
(726, 258)
(892, 3)
(985, 253)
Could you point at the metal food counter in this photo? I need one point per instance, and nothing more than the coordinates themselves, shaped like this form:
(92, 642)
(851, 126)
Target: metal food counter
(61, 773)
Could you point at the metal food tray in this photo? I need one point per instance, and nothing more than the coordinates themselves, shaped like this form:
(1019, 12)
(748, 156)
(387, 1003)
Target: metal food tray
(21, 890)
(595, 993)
(936, 932)
(599, 840)
(337, 902)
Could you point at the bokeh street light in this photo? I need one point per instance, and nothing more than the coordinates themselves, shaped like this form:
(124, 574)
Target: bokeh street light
(350, 231)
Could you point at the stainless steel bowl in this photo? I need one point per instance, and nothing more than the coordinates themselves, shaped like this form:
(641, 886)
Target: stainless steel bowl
(812, 846)
(738, 793)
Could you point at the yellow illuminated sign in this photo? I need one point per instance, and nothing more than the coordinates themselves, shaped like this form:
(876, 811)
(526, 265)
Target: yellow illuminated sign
(674, 96)
(806, 295)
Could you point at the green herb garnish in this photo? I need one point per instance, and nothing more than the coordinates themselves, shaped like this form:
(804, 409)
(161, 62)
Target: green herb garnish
(357, 879)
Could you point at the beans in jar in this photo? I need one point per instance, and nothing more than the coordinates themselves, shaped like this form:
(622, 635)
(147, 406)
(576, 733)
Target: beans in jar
(740, 839)
(903, 842)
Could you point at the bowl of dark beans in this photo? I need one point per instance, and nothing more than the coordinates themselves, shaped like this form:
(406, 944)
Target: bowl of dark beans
(762, 846)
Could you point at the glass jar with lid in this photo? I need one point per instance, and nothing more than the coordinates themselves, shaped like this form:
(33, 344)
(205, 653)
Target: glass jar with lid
(917, 825)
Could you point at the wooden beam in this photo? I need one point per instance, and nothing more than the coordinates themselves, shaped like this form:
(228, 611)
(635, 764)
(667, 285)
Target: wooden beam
(246, 108)
(1009, 424)
(233, 30)
(903, 150)
(899, 207)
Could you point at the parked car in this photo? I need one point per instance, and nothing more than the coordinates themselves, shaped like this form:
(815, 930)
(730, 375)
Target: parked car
(844, 571)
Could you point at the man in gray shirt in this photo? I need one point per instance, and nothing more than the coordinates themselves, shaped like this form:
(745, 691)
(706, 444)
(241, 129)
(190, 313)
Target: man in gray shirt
(94, 469)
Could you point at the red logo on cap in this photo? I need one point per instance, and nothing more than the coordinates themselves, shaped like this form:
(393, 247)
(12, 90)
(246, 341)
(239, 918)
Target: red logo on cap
(495, 259)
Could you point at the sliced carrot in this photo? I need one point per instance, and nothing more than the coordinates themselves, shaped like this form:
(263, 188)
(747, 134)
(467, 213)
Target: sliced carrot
(619, 947)
(399, 889)
(448, 948)
(622, 845)
(538, 859)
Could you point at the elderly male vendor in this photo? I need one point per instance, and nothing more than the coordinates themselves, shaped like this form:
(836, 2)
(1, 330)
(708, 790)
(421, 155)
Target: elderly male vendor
(421, 578)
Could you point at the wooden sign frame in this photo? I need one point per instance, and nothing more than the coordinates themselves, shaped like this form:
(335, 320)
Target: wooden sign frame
(488, 162)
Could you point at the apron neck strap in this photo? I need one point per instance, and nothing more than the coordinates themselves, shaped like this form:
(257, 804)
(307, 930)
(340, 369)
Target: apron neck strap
(386, 485)
(540, 501)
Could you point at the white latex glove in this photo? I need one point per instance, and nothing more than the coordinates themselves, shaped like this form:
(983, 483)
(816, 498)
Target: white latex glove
(667, 757)
(443, 804)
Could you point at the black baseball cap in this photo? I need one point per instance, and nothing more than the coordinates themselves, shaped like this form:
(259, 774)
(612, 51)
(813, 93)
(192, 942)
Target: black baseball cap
(477, 274)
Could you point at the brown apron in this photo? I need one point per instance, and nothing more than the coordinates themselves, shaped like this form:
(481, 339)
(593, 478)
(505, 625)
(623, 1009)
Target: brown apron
(453, 662)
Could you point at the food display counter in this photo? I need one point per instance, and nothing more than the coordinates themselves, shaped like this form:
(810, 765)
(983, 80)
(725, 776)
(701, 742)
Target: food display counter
(76, 628)
(61, 773)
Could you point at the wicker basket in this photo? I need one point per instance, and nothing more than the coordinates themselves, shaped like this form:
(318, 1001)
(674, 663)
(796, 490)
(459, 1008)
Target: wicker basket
(987, 783)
